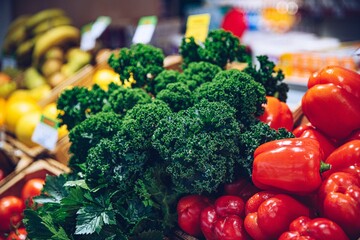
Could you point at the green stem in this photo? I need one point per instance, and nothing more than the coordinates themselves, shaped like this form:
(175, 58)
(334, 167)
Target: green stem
(324, 166)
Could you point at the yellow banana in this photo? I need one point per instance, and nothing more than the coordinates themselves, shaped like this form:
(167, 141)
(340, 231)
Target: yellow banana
(14, 38)
(19, 21)
(25, 49)
(51, 23)
(55, 37)
(42, 16)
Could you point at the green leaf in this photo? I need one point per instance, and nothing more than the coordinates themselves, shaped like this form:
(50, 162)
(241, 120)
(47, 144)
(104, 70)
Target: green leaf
(78, 183)
(92, 218)
(53, 189)
(42, 227)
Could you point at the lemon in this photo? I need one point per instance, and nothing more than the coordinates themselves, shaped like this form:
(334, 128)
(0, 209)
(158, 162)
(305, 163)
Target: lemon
(103, 77)
(14, 110)
(2, 111)
(40, 92)
(20, 94)
(51, 111)
(25, 127)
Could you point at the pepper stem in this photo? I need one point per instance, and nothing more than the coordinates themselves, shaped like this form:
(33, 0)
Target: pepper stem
(324, 166)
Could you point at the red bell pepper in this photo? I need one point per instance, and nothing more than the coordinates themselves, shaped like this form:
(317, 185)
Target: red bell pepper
(339, 201)
(241, 187)
(300, 129)
(292, 165)
(277, 114)
(189, 209)
(224, 220)
(326, 144)
(273, 215)
(345, 158)
(332, 101)
(316, 229)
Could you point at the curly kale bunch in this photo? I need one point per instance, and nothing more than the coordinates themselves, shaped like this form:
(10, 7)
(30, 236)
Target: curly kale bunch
(200, 146)
(270, 78)
(177, 95)
(123, 99)
(119, 160)
(197, 73)
(239, 90)
(220, 47)
(78, 103)
(163, 79)
(144, 61)
(89, 133)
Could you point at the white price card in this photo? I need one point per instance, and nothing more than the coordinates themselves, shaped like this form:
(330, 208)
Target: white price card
(8, 62)
(145, 29)
(90, 32)
(46, 133)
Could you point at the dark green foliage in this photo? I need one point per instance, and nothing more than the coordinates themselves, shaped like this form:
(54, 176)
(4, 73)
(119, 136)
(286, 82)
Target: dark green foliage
(199, 145)
(220, 47)
(254, 136)
(163, 79)
(239, 90)
(272, 80)
(189, 51)
(198, 73)
(118, 160)
(144, 61)
(177, 95)
(89, 132)
(123, 99)
(78, 103)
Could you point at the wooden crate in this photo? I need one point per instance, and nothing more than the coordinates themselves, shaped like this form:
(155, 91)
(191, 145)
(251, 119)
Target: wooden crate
(37, 169)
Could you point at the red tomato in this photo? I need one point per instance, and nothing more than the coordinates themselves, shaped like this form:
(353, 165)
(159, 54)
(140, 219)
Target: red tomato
(189, 209)
(11, 212)
(2, 174)
(18, 234)
(31, 189)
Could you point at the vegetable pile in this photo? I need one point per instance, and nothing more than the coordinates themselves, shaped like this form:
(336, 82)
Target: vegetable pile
(184, 149)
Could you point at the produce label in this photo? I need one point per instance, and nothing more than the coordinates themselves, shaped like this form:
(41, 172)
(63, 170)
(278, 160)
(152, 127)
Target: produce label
(197, 26)
(46, 133)
(145, 29)
(90, 32)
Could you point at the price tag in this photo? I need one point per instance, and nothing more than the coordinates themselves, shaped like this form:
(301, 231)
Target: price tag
(90, 32)
(8, 62)
(145, 29)
(46, 133)
(197, 26)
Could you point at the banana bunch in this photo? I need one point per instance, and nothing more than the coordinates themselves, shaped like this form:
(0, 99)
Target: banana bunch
(29, 37)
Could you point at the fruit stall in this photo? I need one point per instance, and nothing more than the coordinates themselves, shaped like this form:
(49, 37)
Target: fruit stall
(131, 143)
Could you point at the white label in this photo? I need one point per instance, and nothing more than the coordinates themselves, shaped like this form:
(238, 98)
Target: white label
(145, 30)
(46, 133)
(87, 41)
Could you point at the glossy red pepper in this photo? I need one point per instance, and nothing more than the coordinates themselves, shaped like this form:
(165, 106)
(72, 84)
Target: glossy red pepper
(273, 215)
(241, 187)
(325, 142)
(292, 165)
(313, 229)
(224, 220)
(189, 209)
(339, 201)
(332, 101)
(300, 129)
(345, 158)
(277, 114)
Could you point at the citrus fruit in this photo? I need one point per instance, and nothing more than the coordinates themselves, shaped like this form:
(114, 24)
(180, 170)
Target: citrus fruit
(16, 109)
(103, 77)
(25, 127)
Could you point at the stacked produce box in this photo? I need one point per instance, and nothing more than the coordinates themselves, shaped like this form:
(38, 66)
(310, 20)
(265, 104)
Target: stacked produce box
(206, 148)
